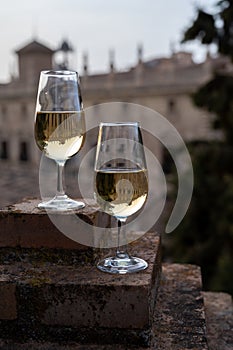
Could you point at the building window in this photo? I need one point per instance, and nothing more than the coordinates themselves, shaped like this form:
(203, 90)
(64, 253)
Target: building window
(167, 162)
(4, 150)
(23, 151)
(171, 105)
(4, 110)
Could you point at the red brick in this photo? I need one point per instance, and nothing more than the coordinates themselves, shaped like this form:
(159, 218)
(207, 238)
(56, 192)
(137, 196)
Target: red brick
(27, 226)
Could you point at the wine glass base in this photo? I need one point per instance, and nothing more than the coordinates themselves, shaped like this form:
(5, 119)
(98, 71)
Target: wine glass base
(61, 203)
(116, 265)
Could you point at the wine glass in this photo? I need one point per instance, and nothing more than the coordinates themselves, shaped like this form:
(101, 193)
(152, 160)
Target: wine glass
(59, 127)
(121, 186)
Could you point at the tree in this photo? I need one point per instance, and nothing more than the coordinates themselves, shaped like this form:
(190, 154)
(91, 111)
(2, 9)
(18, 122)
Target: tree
(215, 96)
(205, 236)
(215, 28)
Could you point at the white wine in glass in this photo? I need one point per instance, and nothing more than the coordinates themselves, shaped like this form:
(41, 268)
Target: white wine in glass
(121, 186)
(59, 127)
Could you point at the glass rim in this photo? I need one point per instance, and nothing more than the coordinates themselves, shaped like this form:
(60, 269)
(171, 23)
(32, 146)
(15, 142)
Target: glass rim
(59, 72)
(118, 123)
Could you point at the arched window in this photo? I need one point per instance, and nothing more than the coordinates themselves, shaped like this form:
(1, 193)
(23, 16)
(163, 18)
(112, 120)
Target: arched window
(4, 150)
(23, 151)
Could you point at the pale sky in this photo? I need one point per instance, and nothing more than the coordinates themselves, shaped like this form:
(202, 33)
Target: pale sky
(96, 27)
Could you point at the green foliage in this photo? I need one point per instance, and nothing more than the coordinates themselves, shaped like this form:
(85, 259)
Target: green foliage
(226, 31)
(214, 28)
(203, 29)
(215, 96)
(205, 236)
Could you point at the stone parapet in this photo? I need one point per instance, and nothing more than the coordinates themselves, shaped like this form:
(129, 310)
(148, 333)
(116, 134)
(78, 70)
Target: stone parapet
(178, 320)
(43, 300)
(53, 297)
(50, 288)
(219, 320)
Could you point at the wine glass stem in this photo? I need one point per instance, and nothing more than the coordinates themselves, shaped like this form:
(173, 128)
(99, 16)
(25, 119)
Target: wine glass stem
(121, 252)
(60, 190)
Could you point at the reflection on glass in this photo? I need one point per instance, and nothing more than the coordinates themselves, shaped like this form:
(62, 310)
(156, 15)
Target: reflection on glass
(121, 186)
(59, 127)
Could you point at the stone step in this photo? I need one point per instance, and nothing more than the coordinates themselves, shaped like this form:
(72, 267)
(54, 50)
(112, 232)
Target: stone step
(219, 320)
(24, 225)
(53, 297)
(178, 320)
(46, 301)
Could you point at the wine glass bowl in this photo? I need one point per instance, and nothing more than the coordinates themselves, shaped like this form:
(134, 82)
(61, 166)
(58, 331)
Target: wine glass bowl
(59, 127)
(121, 186)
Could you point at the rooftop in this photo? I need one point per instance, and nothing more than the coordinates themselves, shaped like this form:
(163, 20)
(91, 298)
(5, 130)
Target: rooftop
(34, 47)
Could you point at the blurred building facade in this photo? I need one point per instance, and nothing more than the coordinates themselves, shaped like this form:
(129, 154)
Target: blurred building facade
(163, 84)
